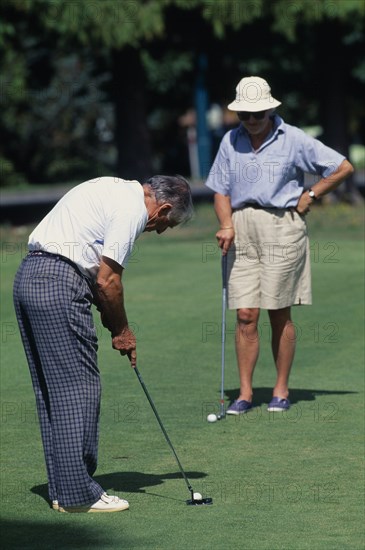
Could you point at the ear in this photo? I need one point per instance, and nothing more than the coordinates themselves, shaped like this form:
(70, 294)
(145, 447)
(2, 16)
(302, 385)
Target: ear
(165, 209)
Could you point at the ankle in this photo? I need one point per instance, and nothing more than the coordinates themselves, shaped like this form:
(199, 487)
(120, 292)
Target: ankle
(245, 396)
(282, 393)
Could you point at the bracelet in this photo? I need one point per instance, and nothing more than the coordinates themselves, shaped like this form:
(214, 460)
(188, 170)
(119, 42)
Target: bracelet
(230, 227)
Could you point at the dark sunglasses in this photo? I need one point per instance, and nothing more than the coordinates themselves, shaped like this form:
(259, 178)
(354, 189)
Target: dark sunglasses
(245, 115)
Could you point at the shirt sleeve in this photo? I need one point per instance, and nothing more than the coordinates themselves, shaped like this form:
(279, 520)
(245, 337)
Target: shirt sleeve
(121, 232)
(219, 175)
(316, 158)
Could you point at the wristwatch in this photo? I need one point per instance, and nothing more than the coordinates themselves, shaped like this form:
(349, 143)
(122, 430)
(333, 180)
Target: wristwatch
(311, 194)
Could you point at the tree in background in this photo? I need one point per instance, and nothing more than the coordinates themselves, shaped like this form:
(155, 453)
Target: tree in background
(86, 85)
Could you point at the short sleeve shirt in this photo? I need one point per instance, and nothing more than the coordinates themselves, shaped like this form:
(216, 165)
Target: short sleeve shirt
(273, 175)
(100, 217)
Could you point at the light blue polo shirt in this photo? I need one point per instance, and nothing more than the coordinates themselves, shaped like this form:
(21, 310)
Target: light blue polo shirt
(273, 175)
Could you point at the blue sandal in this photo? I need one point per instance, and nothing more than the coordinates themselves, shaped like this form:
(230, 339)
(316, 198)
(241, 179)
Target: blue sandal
(278, 404)
(239, 407)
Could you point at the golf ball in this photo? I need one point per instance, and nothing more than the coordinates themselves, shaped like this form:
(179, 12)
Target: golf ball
(212, 418)
(197, 496)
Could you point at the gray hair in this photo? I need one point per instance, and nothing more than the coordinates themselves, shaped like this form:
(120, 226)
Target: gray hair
(176, 191)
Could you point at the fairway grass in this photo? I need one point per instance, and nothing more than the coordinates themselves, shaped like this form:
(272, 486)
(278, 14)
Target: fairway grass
(279, 481)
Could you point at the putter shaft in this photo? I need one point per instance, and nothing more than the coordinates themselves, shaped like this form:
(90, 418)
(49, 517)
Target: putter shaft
(224, 307)
(163, 430)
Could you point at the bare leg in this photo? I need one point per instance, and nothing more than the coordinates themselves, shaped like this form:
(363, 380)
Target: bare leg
(283, 348)
(247, 349)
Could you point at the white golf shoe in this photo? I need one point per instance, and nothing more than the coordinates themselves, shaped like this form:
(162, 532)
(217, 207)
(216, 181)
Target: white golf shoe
(106, 503)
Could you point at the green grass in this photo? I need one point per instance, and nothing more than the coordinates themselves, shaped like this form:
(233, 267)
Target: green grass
(285, 481)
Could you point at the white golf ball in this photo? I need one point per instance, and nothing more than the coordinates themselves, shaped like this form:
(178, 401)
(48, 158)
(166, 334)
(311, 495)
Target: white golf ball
(212, 418)
(197, 496)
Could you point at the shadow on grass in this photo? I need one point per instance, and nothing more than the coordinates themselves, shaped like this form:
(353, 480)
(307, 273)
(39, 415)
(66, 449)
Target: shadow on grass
(262, 396)
(130, 482)
(56, 535)
(137, 482)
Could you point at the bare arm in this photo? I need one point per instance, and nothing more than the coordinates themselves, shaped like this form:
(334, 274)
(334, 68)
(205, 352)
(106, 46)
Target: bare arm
(109, 299)
(325, 185)
(223, 210)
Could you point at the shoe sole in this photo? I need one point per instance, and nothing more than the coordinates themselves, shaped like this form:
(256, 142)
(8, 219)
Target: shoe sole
(276, 409)
(234, 413)
(91, 510)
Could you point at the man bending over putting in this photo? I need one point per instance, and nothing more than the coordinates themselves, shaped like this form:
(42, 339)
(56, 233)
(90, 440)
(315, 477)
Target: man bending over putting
(77, 255)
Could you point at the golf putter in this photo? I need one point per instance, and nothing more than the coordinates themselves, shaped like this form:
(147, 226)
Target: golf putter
(224, 307)
(193, 500)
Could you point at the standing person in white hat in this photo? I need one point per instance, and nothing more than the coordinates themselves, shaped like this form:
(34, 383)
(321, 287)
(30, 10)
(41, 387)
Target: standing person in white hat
(261, 203)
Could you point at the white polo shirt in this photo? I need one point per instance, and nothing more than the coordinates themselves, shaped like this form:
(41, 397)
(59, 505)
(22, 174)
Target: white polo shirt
(100, 217)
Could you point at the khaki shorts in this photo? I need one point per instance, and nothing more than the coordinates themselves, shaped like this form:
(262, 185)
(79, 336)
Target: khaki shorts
(269, 263)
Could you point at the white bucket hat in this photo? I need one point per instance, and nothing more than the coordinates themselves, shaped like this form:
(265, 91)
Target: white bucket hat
(253, 94)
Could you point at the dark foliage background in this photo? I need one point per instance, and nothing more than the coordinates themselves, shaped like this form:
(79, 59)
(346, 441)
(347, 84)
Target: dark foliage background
(89, 88)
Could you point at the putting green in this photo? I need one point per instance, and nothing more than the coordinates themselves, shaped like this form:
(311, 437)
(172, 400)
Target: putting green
(278, 480)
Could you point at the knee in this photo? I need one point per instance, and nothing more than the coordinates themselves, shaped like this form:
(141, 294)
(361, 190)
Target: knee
(248, 316)
(280, 316)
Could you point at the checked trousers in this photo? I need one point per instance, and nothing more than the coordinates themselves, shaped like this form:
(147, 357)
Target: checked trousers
(53, 308)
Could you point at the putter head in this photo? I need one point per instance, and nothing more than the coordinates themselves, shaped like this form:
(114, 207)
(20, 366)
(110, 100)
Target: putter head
(198, 501)
(194, 502)
(221, 416)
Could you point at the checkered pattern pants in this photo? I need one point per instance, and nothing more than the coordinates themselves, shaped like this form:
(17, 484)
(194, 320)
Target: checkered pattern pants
(53, 308)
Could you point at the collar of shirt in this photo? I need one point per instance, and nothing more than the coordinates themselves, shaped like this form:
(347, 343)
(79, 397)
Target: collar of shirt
(278, 127)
